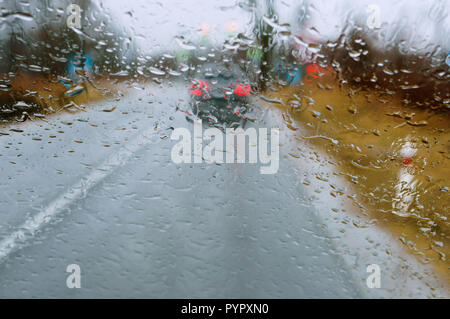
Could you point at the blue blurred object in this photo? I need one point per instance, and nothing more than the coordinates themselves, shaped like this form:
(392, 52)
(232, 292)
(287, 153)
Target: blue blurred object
(75, 62)
(448, 59)
(289, 73)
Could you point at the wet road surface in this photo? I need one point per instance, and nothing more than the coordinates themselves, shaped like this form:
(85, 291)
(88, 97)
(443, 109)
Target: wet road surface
(99, 189)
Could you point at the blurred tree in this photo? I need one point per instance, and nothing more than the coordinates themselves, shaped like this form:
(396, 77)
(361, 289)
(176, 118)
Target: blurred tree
(39, 36)
(264, 35)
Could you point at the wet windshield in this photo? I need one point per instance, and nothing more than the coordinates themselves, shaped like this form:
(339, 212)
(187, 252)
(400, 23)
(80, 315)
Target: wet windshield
(225, 149)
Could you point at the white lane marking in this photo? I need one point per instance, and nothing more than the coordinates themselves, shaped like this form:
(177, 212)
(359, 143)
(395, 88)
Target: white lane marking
(79, 190)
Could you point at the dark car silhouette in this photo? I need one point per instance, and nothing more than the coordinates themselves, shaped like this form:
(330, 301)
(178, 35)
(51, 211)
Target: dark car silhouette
(221, 96)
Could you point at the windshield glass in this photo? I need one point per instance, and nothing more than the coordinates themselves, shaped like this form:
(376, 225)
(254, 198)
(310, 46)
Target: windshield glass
(225, 149)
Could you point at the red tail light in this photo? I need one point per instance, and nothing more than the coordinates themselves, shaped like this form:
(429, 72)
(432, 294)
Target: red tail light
(200, 88)
(242, 89)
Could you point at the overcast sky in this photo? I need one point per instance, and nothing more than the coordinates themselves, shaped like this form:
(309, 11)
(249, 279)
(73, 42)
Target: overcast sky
(155, 24)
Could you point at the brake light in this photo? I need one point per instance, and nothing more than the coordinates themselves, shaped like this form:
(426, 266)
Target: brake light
(242, 89)
(200, 88)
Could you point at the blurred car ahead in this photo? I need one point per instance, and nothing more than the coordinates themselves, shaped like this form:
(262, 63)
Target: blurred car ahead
(221, 96)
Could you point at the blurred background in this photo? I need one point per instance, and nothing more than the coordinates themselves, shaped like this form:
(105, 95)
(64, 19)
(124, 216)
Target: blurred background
(360, 91)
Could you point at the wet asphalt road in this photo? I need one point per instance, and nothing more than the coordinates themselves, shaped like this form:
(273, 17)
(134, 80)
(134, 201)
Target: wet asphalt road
(139, 225)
